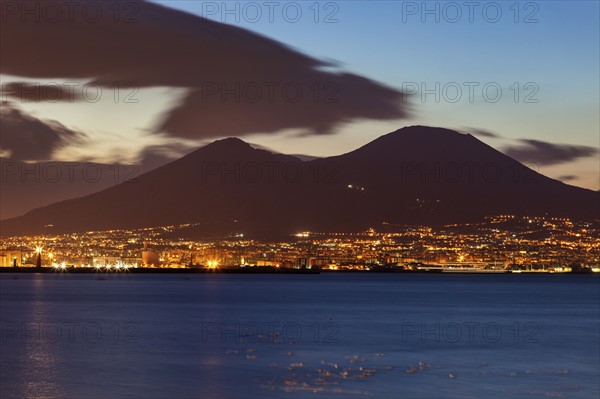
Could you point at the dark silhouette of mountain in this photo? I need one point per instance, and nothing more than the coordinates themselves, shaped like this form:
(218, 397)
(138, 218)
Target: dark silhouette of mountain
(26, 186)
(30, 185)
(304, 157)
(442, 175)
(416, 175)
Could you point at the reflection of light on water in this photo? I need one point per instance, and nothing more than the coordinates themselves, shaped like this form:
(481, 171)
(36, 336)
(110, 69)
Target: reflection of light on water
(39, 361)
(215, 377)
(39, 376)
(328, 376)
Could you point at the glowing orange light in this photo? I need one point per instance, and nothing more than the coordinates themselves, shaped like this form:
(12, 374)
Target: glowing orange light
(212, 264)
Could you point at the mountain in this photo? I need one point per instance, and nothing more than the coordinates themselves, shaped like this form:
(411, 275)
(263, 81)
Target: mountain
(27, 186)
(417, 174)
(30, 185)
(442, 175)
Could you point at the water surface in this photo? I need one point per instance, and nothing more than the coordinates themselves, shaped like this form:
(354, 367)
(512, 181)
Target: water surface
(298, 336)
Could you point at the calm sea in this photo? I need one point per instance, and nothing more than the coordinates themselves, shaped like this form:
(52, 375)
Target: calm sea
(299, 336)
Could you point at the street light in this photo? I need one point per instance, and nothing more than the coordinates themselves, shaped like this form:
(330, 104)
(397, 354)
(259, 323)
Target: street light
(38, 258)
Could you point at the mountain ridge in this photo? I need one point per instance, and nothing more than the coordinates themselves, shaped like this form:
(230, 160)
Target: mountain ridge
(414, 175)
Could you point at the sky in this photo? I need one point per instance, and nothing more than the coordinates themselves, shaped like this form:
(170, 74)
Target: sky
(521, 76)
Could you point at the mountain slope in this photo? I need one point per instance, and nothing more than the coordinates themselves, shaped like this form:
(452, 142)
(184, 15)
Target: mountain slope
(414, 175)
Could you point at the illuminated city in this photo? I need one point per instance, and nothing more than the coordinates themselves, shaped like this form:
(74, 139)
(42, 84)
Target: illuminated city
(501, 243)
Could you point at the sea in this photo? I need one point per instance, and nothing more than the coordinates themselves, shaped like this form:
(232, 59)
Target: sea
(329, 335)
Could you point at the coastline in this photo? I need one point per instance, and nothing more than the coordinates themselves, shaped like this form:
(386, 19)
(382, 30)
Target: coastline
(260, 270)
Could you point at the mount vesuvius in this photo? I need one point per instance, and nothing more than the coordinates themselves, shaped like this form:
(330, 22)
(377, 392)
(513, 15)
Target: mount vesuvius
(415, 175)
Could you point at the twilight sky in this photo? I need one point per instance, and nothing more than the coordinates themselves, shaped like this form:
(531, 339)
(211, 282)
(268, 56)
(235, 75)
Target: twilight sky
(544, 56)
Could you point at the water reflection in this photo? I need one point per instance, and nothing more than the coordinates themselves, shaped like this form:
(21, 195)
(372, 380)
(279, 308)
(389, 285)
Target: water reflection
(213, 337)
(39, 338)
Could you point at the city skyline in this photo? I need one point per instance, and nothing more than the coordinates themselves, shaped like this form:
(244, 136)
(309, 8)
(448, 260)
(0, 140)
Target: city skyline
(502, 243)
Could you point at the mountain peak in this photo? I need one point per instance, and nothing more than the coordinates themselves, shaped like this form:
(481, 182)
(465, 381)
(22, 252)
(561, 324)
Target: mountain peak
(235, 150)
(421, 143)
(227, 147)
(229, 142)
(426, 132)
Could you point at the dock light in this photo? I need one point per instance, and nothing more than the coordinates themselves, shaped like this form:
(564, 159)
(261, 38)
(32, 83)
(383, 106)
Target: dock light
(212, 264)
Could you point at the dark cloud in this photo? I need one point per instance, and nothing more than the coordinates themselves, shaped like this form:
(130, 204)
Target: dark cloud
(292, 104)
(155, 156)
(484, 133)
(544, 153)
(41, 92)
(239, 82)
(25, 138)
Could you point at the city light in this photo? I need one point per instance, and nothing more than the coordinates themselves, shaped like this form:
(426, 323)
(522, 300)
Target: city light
(212, 264)
(499, 243)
